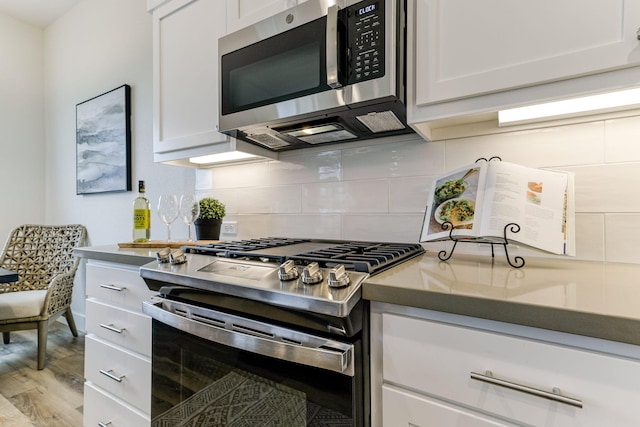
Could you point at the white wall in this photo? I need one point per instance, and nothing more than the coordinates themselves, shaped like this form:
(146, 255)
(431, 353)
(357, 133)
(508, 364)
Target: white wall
(22, 157)
(98, 46)
(378, 191)
(95, 47)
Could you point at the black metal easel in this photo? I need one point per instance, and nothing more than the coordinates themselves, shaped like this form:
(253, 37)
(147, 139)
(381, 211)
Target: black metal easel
(517, 262)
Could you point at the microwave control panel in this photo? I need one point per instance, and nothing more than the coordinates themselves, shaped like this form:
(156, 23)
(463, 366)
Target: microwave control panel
(366, 40)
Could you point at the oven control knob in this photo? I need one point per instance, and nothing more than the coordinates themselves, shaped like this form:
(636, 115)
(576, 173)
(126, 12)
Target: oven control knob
(288, 271)
(338, 277)
(312, 274)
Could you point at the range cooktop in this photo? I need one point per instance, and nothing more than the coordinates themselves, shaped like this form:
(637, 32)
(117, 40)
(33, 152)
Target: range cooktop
(319, 276)
(365, 257)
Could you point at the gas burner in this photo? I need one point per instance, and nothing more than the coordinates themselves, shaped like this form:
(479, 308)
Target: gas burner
(364, 257)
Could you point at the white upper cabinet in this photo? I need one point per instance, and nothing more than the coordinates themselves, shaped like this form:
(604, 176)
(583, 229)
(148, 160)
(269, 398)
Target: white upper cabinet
(185, 76)
(474, 57)
(242, 13)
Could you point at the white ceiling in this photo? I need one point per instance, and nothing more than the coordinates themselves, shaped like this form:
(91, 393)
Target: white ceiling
(36, 12)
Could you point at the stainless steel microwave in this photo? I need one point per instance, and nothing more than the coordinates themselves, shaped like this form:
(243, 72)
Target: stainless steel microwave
(324, 71)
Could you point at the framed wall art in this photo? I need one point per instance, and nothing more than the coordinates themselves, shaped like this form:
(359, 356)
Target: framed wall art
(103, 142)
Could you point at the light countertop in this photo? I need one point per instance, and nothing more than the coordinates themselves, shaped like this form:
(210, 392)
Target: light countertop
(114, 253)
(595, 299)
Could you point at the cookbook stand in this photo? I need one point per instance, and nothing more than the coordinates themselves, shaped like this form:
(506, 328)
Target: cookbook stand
(517, 262)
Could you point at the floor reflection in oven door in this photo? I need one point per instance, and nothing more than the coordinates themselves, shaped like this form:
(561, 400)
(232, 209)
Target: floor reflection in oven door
(239, 399)
(199, 383)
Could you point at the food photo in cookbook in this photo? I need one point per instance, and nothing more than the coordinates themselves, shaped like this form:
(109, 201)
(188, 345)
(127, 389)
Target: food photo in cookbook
(454, 200)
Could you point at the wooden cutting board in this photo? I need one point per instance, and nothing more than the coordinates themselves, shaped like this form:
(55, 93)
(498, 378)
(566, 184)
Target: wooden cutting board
(165, 244)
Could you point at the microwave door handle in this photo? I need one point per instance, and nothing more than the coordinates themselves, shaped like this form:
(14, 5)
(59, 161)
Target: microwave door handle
(332, 47)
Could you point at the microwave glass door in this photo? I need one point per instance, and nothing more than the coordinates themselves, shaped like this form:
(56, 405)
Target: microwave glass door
(286, 66)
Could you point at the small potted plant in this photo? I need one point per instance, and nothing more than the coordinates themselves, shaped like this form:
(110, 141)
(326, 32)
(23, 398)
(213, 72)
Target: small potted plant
(209, 221)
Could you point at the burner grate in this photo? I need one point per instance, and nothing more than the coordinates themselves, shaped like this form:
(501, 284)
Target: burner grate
(365, 257)
(232, 248)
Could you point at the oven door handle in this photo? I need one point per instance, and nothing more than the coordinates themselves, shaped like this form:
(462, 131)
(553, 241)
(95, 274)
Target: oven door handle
(254, 336)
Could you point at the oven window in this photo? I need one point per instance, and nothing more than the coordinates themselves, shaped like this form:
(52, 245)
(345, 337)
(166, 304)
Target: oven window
(286, 66)
(201, 383)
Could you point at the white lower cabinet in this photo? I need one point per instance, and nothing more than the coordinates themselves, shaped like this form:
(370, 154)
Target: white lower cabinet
(102, 409)
(441, 374)
(404, 408)
(117, 347)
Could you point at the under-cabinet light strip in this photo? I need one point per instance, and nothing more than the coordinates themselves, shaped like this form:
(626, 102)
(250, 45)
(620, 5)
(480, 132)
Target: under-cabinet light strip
(592, 104)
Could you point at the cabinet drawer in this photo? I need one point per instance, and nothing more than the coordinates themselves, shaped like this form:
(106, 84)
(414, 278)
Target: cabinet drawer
(438, 359)
(102, 409)
(127, 328)
(402, 408)
(122, 285)
(120, 372)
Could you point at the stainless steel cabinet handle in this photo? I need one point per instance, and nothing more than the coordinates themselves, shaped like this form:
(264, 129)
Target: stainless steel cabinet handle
(332, 47)
(113, 287)
(112, 376)
(107, 424)
(111, 328)
(555, 395)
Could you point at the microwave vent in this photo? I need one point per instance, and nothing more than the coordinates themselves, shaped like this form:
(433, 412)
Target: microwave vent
(335, 136)
(383, 121)
(268, 140)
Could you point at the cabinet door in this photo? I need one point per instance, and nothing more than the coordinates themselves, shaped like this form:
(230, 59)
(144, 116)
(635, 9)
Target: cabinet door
(102, 409)
(124, 374)
(401, 408)
(438, 360)
(126, 328)
(465, 48)
(242, 13)
(185, 74)
(117, 284)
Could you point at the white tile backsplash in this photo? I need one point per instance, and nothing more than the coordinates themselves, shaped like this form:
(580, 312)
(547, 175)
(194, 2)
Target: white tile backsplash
(590, 237)
(547, 147)
(281, 199)
(346, 196)
(613, 187)
(403, 158)
(622, 136)
(382, 228)
(312, 166)
(622, 233)
(305, 226)
(378, 190)
(409, 194)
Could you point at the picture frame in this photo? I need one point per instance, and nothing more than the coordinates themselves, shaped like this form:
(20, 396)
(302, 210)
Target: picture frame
(103, 142)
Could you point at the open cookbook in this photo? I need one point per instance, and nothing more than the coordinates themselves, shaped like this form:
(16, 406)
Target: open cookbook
(480, 200)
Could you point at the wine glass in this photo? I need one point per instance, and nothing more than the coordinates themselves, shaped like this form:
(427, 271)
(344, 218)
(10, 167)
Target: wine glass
(168, 211)
(189, 211)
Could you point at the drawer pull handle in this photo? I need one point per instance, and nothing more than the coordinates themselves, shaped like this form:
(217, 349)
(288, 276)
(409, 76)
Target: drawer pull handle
(113, 287)
(110, 375)
(107, 424)
(555, 395)
(111, 328)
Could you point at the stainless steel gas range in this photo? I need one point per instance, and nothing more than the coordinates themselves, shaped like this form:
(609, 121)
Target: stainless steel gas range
(270, 330)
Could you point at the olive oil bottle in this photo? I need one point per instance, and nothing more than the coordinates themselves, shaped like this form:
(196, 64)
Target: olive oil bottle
(141, 216)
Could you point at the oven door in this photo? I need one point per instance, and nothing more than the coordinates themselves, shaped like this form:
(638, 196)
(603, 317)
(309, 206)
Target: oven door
(214, 368)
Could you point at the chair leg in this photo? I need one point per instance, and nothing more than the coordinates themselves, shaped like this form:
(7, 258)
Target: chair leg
(72, 323)
(6, 337)
(43, 329)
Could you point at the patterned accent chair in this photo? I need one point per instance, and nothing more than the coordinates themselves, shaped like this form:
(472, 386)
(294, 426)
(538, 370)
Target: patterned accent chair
(42, 255)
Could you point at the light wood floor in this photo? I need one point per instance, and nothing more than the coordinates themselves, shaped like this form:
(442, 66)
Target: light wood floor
(51, 397)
